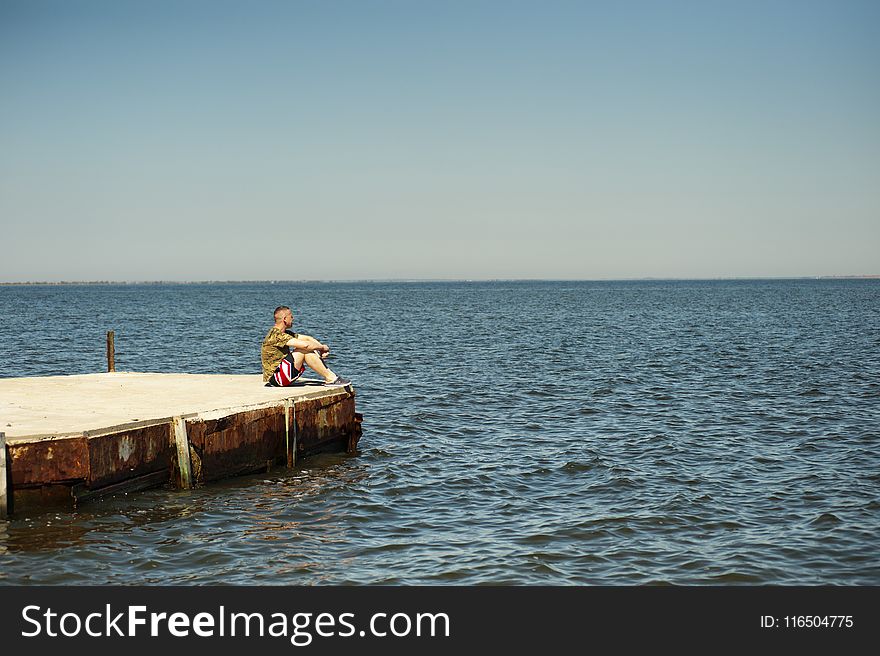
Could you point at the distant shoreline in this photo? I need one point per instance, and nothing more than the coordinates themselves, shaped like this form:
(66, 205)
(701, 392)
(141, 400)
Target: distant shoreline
(413, 280)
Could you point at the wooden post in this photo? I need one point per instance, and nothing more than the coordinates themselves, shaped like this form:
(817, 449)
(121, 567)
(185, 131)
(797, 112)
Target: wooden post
(111, 351)
(5, 494)
(287, 432)
(290, 408)
(178, 426)
(293, 450)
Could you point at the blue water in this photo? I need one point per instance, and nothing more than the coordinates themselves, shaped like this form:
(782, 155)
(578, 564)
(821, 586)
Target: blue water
(514, 433)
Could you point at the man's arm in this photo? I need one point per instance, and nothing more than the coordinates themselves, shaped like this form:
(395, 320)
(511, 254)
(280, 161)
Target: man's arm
(307, 338)
(307, 344)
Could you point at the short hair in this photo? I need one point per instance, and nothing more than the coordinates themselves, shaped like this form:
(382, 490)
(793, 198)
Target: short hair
(280, 310)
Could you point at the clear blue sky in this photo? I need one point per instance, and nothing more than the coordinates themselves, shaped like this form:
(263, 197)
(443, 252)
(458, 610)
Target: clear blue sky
(350, 140)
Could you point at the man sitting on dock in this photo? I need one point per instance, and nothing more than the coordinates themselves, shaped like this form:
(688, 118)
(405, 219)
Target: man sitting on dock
(285, 354)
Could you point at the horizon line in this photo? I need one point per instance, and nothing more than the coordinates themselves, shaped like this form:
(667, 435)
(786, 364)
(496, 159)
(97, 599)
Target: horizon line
(418, 280)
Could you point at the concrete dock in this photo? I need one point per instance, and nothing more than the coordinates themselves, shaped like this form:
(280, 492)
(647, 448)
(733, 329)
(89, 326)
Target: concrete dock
(75, 438)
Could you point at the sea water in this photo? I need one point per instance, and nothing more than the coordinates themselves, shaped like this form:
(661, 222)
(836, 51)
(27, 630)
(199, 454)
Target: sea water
(573, 433)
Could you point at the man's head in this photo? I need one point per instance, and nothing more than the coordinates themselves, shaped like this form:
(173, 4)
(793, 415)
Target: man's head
(283, 316)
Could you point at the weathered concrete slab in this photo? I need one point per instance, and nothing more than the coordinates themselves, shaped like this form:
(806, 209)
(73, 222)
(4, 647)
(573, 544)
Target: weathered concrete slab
(52, 406)
(103, 433)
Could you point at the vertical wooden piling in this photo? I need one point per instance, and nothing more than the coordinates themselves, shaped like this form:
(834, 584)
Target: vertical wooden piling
(111, 351)
(290, 445)
(287, 432)
(293, 447)
(182, 442)
(5, 494)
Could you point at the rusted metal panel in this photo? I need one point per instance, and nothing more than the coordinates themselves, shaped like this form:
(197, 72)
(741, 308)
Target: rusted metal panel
(237, 444)
(135, 457)
(128, 454)
(355, 437)
(5, 487)
(81, 494)
(42, 498)
(327, 423)
(48, 461)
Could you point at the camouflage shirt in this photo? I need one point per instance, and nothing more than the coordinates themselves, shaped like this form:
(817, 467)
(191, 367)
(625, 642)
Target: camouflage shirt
(274, 349)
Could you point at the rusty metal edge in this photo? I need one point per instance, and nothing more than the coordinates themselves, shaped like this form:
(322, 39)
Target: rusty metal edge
(204, 414)
(82, 494)
(5, 483)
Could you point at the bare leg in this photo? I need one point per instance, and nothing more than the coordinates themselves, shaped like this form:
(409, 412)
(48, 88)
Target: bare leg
(317, 365)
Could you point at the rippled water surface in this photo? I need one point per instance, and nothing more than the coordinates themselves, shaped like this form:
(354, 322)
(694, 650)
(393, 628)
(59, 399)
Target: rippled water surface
(514, 433)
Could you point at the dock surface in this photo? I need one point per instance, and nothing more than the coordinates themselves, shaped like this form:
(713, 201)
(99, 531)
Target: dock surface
(57, 406)
(81, 437)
